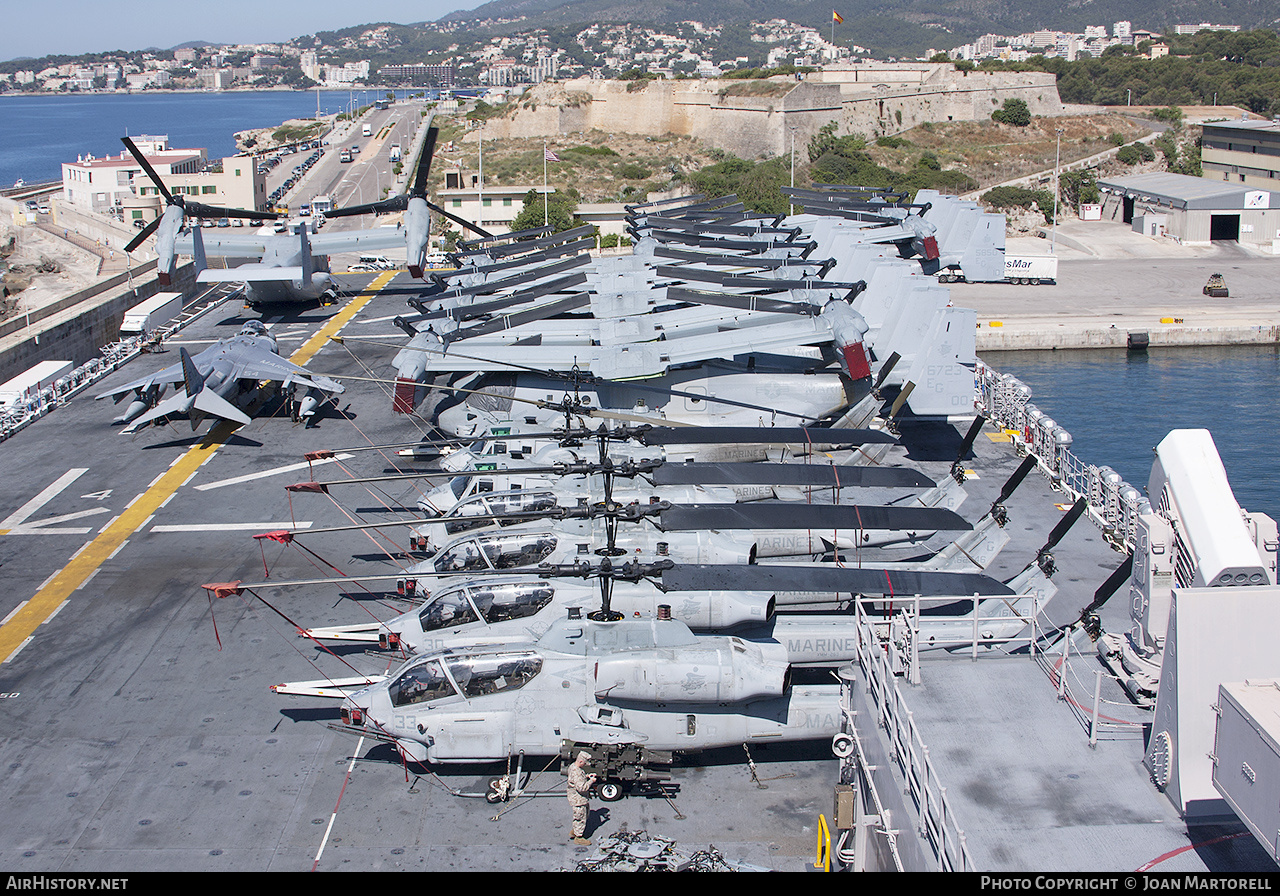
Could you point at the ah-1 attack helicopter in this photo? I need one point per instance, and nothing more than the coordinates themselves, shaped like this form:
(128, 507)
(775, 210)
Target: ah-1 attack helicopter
(647, 682)
(473, 610)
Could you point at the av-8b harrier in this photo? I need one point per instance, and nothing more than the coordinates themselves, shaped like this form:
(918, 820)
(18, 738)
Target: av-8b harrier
(212, 379)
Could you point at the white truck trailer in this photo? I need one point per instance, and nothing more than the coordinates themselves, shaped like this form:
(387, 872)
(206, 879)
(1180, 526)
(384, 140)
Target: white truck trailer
(156, 311)
(1030, 269)
(1022, 269)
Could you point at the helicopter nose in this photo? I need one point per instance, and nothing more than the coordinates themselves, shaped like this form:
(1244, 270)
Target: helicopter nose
(352, 715)
(459, 420)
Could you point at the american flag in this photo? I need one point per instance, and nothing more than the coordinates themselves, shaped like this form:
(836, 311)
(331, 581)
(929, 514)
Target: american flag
(549, 155)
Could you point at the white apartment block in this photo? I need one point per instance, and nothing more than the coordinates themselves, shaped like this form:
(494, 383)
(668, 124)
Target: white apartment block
(117, 185)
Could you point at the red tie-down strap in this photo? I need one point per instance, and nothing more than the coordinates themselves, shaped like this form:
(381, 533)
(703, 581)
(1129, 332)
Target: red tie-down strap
(281, 535)
(220, 590)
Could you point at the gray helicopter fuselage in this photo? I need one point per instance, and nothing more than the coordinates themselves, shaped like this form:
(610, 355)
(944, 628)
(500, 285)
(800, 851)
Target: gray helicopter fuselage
(647, 681)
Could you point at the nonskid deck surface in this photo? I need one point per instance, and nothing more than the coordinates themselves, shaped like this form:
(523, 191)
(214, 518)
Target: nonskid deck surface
(140, 733)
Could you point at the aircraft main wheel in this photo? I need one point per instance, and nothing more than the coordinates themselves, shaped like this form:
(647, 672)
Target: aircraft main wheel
(493, 797)
(609, 791)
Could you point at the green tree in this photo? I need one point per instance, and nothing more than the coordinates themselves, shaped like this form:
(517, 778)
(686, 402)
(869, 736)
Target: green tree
(560, 209)
(1014, 112)
(1078, 187)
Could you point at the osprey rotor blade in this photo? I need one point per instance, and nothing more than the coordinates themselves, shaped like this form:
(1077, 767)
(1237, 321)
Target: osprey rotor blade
(461, 222)
(418, 186)
(146, 166)
(466, 247)
(957, 471)
(519, 318)
(741, 301)
(1114, 582)
(885, 369)
(382, 206)
(142, 235)
(1064, 524)
(200, 210)
(1012, 483)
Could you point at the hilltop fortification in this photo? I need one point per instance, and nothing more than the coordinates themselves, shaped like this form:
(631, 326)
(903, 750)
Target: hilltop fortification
(753, 118)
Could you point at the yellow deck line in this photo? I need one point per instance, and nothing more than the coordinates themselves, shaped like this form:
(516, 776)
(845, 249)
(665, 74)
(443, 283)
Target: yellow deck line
(77, 571)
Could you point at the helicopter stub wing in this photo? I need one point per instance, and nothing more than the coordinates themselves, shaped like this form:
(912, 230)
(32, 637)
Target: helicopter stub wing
(339, 688)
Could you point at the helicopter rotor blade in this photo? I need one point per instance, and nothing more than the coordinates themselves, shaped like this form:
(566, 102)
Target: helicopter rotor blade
(812, 516)
(825, 475)
(764, 435)
(760, 577)
(143, 234)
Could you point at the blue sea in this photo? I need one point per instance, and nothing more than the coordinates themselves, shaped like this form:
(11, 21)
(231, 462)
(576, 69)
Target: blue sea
(42, 132)
(1118, 406)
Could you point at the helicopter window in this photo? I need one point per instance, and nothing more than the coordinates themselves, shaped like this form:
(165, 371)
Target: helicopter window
(419, 684)
(485, 486)
(515, 600)
(510, 551)
(458, 485)
(471, 507)
(480, 675)
(445, 610)
(528, 502)
(461, 558)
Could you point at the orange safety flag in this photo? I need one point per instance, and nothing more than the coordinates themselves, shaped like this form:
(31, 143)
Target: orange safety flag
(837, 18)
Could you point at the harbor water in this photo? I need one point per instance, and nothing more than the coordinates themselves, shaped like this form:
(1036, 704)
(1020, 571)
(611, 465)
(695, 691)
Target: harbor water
(1118, 405)
(42, 132)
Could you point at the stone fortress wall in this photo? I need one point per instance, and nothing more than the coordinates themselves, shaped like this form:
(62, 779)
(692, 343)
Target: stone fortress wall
(754, 119)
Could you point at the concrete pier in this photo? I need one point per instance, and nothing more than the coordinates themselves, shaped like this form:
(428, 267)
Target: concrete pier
(1113, 283)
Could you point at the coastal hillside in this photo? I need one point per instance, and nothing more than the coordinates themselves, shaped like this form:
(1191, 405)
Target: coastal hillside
(889, 26)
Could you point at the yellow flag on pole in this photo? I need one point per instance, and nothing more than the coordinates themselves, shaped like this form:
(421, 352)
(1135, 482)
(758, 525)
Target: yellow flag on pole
(836, 17)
